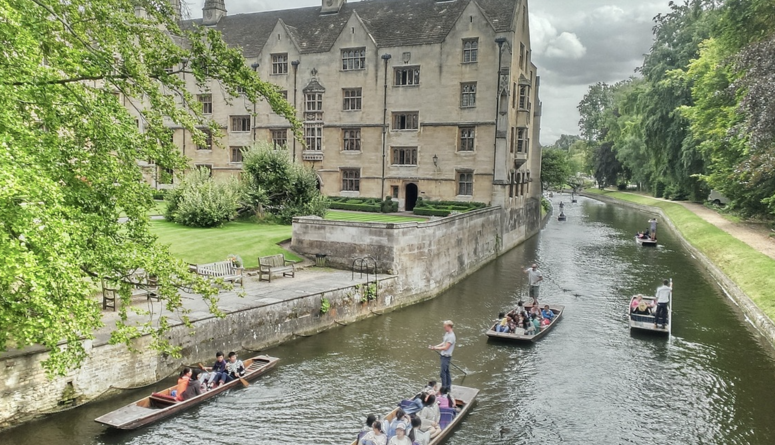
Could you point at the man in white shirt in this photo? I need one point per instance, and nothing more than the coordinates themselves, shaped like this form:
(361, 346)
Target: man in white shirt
(447, 346)
(534, 277)
(663, 299)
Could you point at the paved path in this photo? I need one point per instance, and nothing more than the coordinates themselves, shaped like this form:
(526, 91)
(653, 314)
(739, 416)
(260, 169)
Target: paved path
(755, 235)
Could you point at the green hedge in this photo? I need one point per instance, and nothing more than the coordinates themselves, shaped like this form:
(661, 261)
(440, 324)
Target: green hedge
(373, 205)
(159, 195)
(426, 211)
(374, 208)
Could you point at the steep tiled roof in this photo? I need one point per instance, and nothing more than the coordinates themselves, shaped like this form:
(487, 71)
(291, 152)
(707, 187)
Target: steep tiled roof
(390, 22)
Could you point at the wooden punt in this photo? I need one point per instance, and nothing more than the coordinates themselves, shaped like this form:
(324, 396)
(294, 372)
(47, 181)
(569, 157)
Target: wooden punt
(642, 322)
(561, 217)
(152, 408)
(645, 242)
(464, 401)
(522, 338)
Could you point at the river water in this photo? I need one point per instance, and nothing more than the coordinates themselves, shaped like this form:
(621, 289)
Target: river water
(588, 381)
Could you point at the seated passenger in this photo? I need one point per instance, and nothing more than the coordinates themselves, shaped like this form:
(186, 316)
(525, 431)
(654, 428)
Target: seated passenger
(375, 436)
(216, 373)
(534, 325)
(547, 313)
(430, 416)
(445, 400)
(400, 417)
(184, 390)
(416, 435)
(400, 438)
(635, 302)
(370, 419)
(503, 326)
(234, 367)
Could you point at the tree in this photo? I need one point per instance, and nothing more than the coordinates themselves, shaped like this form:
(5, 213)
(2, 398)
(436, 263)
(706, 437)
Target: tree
(68, 160)
(592, 109)
(566, 141)
(278, 185)
(607, 169)
(555, 168)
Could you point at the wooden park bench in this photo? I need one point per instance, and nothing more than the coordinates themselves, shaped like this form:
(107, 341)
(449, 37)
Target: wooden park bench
(275, 264)
(225, 270)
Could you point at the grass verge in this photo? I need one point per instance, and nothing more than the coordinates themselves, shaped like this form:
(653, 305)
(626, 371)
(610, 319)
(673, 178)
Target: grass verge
(370, 217)
(750, 269)
(247, 239)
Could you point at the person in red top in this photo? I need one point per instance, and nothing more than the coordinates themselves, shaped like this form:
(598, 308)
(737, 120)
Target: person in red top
(184, 390)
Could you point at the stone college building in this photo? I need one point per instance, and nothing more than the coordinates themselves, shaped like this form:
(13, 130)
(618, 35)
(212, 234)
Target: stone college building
(401, 98)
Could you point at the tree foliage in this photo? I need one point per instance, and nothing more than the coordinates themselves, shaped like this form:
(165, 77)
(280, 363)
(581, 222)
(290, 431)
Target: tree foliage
(555, 168)
(278, 185)
(201, 201)
(68, 160)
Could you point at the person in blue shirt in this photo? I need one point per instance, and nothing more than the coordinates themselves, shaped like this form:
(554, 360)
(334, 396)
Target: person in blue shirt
(547, 313)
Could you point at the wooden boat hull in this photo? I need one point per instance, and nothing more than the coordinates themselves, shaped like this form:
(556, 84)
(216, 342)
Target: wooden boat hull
(147, 410)
(646, 242)
(561, 218)
(521, 338)
(464, 399)
(645, 323)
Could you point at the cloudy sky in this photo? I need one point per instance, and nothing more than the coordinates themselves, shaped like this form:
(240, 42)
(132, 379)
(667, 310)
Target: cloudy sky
(575, 43)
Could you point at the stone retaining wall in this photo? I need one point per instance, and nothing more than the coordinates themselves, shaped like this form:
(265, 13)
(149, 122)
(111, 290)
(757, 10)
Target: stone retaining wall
(26, 391)
(757, 317)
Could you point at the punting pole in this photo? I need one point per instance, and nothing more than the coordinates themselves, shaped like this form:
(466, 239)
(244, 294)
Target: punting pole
(670, 309)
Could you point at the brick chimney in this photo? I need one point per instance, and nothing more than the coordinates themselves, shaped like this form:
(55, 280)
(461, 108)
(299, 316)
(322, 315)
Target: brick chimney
(332, 6)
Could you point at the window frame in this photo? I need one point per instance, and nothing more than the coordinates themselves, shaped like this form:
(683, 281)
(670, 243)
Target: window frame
(351, 137)
(349, 101)
(406, 115)
(274, 137)
(465, 182)
(522, 140)
(471, 53)
(466, 140)
(243, 118)
(411, 79)
(236, 149)
(468, 95)
(408, 154)
(313, 135)
(279, 64)
(317, 99)
(208, 141)
(524, 93)
(206, 99)
(351, 184)
(353, 62)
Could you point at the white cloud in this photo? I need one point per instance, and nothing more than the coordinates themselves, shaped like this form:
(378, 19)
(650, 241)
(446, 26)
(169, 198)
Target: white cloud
(566, 46)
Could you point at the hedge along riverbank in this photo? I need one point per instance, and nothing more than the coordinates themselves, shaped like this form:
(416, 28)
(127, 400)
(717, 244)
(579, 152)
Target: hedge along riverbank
(747, 274)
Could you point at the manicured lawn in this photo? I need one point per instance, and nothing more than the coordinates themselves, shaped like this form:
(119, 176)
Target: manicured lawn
(159, 207)
(247, 239)
(370, 217)
(751, 270)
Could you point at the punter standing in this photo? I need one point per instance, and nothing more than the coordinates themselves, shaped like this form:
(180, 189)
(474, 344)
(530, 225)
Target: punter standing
(663, 300)
(534, 277)
(447, 346)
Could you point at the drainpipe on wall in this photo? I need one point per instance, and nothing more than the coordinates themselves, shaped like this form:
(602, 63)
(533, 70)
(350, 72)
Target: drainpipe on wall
(295, 65)
(385, 58)
(254, 65)
(500, 41)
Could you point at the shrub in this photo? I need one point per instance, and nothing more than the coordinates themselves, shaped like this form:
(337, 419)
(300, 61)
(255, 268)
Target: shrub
(621, 186)
(547, 206)
(200, 201)
(388, 205)
(444, 208)
(375, 208)
(159, 194)
(425, 211)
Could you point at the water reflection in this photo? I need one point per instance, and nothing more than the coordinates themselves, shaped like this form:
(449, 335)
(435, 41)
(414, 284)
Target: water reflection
(589, 380)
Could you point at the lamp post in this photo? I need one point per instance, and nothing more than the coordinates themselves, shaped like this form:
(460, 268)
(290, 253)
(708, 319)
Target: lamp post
(385, 58)
(500, 41)
(254, 65)
(295, 65)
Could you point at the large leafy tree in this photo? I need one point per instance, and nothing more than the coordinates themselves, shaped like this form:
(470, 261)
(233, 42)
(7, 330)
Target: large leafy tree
(68, 159)
(555, 168)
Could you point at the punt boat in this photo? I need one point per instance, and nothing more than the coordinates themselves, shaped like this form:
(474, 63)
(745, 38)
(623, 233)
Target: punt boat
(160, 405)
(645, 242)
(561, 217)
(521, 337)
(644, 322)
(450, 417)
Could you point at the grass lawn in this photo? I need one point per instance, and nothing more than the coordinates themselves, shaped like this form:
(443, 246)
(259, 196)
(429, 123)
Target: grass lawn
(370, 217)
(159, 207)
(751, 270)
(247, 239)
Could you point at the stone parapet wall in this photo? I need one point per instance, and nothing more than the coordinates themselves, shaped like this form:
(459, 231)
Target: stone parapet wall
(26, 391)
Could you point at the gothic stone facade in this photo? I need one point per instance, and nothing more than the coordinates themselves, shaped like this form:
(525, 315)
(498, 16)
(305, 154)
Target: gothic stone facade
(451, 80)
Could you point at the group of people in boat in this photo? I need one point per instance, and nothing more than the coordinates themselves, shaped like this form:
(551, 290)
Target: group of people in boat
(193, 382)
(658, 306)
(417, 422)
(651, 232)
(525, 320)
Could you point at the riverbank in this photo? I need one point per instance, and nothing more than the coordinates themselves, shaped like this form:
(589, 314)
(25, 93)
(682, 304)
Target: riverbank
(745, 273)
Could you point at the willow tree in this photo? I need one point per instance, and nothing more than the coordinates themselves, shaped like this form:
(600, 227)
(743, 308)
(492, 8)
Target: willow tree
(68, 160)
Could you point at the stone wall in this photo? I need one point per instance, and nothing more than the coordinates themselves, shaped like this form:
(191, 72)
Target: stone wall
(26, 391)
(427, 257)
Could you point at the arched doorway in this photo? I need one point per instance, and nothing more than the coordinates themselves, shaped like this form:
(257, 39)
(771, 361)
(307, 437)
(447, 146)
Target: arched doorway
(411, 197)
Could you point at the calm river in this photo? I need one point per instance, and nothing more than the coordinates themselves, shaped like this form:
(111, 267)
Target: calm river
(588, 381)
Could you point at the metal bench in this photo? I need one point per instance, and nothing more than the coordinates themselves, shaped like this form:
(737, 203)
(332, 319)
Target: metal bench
(225, 270)
(275, 264)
